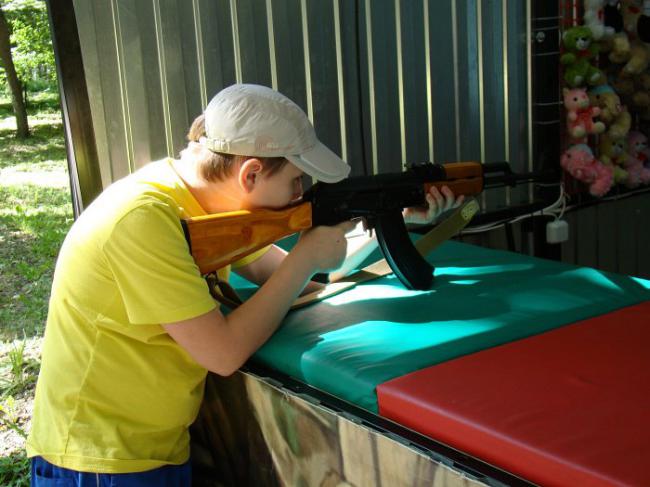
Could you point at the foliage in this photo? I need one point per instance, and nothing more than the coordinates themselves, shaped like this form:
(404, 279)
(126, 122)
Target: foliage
(31, 42)
(16, 360)
(14, 470)
(9, 416)
(23, 372)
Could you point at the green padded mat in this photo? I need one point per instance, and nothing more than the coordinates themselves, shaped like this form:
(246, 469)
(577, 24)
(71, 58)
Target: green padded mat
(481, 298)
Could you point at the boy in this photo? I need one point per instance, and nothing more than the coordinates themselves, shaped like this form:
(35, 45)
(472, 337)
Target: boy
(132, 329)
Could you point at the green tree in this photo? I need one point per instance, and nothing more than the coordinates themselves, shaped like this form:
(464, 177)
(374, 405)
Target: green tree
(25, 52)
(16, 87)
(31, 40)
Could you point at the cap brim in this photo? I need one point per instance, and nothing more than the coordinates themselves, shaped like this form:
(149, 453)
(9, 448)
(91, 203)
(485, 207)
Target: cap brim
(321, 164)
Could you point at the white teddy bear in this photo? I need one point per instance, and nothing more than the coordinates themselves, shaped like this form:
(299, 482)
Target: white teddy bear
(594, 19)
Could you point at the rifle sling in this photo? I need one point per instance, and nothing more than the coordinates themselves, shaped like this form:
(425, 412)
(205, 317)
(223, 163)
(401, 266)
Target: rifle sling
(461, 216)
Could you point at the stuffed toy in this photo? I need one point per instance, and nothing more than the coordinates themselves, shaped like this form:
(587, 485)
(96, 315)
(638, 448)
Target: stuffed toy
(639, 59)
(636, 19)
(641, 90)
(613, 154)
(638, 147)
(579, 161)
(579, 50)
(595, 19)
(619, 45)
(635, 164)
(614, 115)
(624, 86)
(618, 48)
(634, 92)
(580, 114)
(634, 51)
(635, 174)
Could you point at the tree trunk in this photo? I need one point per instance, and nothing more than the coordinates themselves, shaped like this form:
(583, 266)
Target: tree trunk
(12, 78)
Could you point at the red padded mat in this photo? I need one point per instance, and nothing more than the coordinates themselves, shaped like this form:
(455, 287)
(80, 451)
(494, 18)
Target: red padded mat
(567, 407)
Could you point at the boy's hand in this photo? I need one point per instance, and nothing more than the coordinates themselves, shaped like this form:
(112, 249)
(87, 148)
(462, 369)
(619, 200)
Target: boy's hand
(438, 202)
(324, 247)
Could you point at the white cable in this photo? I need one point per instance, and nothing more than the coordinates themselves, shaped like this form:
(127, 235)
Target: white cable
(616, 197)
(552, 209)
(563, 203)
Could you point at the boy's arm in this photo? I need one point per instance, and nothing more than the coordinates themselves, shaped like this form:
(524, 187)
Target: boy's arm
(260, 270)
(221, 343)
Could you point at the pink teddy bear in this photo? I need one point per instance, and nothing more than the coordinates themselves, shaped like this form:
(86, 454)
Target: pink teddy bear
(580, 113)
(579, 161)
(638, 156)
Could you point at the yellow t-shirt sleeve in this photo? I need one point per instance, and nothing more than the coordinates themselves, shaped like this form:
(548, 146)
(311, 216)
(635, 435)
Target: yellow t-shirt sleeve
(154, 271)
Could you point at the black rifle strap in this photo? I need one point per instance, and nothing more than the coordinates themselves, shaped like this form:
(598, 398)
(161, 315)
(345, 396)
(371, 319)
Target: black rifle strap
(222, 291)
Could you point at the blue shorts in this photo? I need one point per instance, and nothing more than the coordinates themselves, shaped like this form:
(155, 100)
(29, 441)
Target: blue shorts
(44, 474)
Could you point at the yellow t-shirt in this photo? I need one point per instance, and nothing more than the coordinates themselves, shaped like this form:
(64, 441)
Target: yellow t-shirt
(116, 393)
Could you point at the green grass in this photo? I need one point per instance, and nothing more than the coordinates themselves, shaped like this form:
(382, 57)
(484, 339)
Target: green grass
(34, 219)
(14, 470)
(42, 102)
(17, 376)
(44, 150)
(35, 215)
(33, 223)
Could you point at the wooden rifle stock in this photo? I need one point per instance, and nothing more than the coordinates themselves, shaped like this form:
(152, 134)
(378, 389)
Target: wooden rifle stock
(221, 239)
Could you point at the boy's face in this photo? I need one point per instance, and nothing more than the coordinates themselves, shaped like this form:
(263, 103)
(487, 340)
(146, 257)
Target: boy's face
(277, 190)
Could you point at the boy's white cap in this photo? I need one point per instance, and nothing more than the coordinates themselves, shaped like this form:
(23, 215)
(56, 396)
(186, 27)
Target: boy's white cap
(253, 120)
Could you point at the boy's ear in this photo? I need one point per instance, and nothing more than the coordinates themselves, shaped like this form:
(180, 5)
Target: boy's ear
(249, 173)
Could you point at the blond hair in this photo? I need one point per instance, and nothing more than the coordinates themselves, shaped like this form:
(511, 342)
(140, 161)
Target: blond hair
(214, 166)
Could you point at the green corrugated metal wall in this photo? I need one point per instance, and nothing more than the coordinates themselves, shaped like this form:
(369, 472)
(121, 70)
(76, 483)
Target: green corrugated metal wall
(384, 81)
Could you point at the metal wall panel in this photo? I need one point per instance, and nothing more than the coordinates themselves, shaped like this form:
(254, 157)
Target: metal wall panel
(607, 240)
(568, 248)
(613, 236)
(384, 81)
(628, 236)
(642, 237)
(350, 86)
(442, 77)
(586, 248)
(85, 10)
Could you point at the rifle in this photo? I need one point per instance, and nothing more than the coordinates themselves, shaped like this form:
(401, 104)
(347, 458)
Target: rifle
(220, 239)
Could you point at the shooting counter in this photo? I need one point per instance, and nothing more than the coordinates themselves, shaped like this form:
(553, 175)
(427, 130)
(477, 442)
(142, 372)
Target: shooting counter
(510, 370)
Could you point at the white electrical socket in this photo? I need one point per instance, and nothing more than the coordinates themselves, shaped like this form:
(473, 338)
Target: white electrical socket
(557, 231)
